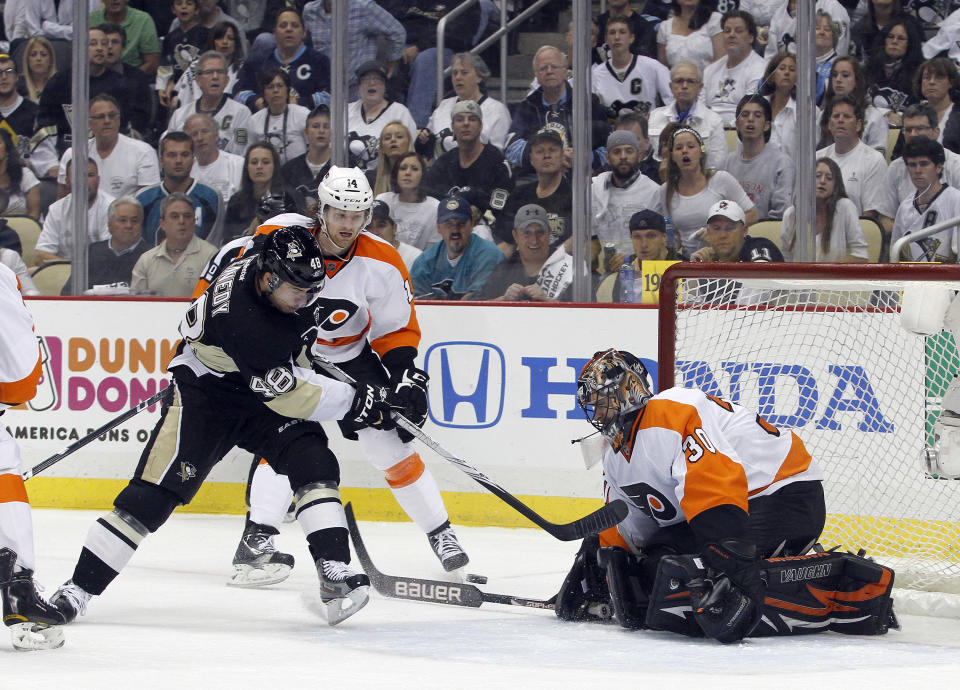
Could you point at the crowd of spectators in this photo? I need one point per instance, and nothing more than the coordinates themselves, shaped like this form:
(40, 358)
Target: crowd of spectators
(203, 113)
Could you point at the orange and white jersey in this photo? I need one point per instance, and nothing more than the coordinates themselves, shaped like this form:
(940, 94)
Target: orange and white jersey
(367, 296)
(19, 349)
(689, 452)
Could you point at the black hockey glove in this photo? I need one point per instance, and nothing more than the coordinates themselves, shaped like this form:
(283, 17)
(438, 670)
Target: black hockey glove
(372, 406)
(730, 609)
(410, 388)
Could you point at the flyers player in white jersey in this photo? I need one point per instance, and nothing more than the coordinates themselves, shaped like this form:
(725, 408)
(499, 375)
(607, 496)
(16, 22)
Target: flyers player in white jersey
(368, 326)
(706, 477)
(33, 623)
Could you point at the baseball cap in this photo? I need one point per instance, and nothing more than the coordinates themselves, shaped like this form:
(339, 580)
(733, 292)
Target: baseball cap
(454, 207)
(531, 213)
(647, 220)
(469, 107)
(727, 209)
(379, 209)
(552, 131)
(372, 66)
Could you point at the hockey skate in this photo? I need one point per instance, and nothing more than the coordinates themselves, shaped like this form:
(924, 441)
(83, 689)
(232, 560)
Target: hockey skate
(343, 591)
(443, 541)
(34, 624)
(257, 561)
(71, 600)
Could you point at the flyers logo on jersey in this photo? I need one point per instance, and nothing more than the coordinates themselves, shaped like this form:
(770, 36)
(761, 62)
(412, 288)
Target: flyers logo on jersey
(333, 313)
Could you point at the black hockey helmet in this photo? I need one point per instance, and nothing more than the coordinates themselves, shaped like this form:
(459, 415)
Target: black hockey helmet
(273, 204)
(292, 255)
(612, 386)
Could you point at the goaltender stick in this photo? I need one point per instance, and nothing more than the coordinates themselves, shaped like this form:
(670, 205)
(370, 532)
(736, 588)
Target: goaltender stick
(240, 378)
(713, 489)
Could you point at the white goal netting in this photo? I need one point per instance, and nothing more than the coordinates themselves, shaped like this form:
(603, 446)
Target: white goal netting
(821, 350)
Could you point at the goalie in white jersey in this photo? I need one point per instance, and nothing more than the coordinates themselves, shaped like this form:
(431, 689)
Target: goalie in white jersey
(701, 476)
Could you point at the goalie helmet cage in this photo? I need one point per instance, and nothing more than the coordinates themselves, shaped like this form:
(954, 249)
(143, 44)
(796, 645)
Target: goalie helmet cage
(819, 348)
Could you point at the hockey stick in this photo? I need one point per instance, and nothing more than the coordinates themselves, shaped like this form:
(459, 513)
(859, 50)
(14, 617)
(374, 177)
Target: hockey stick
(435, 591)
(77, 445)
(597, 521)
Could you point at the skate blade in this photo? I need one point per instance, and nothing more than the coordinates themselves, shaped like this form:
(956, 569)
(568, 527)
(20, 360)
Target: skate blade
(29, 637)
(341, 608)
(248, 576)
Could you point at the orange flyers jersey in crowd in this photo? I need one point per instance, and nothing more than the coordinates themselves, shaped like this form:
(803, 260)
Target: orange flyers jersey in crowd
(689, 452)
(19, 349)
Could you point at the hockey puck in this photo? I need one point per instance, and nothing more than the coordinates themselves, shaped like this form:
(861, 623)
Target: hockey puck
(477, 579)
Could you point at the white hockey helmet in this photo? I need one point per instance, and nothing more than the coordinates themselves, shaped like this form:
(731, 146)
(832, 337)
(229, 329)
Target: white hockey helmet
(346, 189)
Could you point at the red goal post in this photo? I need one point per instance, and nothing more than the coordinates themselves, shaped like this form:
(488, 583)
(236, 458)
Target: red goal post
(819, 348)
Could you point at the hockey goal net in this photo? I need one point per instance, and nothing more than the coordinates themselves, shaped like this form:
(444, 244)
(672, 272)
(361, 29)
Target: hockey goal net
(820, 349)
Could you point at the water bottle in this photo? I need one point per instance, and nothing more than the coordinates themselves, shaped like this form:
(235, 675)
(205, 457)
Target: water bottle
(671, 235)
(627, 277)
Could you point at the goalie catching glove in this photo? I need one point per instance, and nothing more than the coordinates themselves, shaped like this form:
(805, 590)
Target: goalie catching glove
(410, 390)
(372, 406)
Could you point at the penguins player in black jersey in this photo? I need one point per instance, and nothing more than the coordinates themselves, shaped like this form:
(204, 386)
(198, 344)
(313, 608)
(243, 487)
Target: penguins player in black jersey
(241, 377)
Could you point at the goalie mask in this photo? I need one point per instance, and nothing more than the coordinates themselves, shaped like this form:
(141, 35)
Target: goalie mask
(612, 386)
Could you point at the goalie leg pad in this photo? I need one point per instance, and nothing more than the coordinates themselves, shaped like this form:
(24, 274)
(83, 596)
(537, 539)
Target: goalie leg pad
(584, 595)
(677, 587)
(624, 580)
(834, 591)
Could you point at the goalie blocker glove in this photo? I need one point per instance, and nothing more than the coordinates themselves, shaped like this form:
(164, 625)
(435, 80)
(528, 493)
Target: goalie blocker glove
(730, 609)
(372, 406)
(410, 388)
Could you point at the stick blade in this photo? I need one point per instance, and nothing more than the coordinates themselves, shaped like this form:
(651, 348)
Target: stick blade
(597, 521)
(410, 588)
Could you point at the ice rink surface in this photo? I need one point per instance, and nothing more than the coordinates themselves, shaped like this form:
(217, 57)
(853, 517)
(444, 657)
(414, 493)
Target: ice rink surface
(169, 621)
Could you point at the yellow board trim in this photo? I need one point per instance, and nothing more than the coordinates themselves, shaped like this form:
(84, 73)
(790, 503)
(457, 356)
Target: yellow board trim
(879, 535)
(465, 508)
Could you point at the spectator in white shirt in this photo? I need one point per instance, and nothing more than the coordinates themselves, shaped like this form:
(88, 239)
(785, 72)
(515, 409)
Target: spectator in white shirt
(213, 167)
(467, 72)
(53, 20)
(627, 81)
(126, 165)
(231, 116)
(55, 242)
(618, 194)
(686, 82)
(848, 78)
(693, 33)
(279, 122)
(736, 74)
(919, 120)
(691, 188)
(783, 27)
(779, 85)
(864, 169)
(765, 173)
(839, 236)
